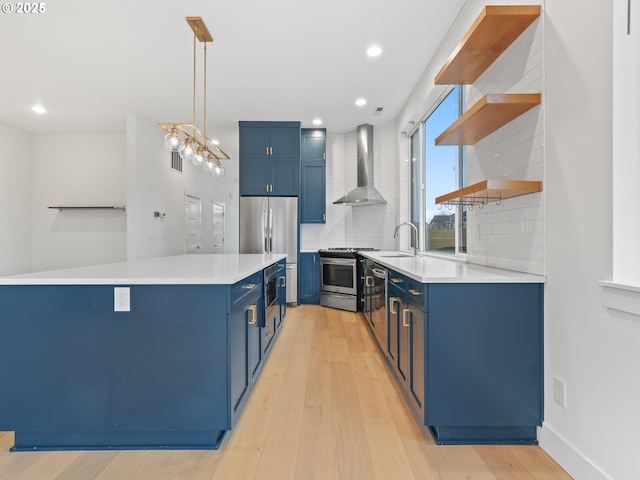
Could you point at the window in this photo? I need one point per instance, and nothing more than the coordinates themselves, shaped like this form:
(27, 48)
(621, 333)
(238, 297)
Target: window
(439, 170)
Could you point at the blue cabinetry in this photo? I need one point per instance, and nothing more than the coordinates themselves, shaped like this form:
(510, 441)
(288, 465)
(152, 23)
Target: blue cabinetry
(468, 357)
(309, 278)
(174, 372)
(313, 176)
(405, 336)
(245, 339)
(269, 158)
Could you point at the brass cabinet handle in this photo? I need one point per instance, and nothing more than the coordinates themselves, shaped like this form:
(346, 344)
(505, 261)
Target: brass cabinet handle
(249, 286)
(271, 334)
(415, 292)
(392, 301)
(396, 280)
(405, 322)
(366, 281)
(253, 318)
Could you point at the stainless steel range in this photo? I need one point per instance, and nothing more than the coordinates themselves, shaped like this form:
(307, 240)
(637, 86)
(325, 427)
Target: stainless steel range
(340, 274)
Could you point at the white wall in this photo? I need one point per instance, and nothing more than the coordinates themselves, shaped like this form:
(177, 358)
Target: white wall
(363, 226)
(594, 351)
(77, 169)
(152, 186)
(15, 201)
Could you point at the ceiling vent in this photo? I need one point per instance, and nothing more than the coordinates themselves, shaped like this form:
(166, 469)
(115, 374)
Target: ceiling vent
(176, 162)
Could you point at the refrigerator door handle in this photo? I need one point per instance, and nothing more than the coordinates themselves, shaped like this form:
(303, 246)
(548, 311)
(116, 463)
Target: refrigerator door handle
(265, 234)
(270, 230)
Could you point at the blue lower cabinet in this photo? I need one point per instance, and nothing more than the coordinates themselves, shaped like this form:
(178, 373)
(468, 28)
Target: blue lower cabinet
(174, 372)
(309, 278)
(469, 358)
(484, 362)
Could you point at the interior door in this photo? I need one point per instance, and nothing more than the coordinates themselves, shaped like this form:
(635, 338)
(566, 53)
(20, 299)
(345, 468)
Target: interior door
(191, 223)
(218, 227)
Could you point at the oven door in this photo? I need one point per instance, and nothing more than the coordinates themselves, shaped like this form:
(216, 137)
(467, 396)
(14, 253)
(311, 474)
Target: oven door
(338, 275)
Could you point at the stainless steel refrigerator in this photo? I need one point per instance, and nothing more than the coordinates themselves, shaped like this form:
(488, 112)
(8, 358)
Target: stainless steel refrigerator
(270, 225)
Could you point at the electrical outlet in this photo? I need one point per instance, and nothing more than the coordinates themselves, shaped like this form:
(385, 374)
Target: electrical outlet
(560, 392)
(121, 299)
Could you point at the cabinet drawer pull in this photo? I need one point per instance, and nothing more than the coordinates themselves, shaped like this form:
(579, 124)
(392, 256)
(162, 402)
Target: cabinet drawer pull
(249, 286)
(253, 318)
(396, 280)
(392, 302)
(405, 322)
(415, 292)
(271, 334)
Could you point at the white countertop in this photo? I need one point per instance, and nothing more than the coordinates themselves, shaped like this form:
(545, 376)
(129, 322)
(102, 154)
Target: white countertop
(427, 269)
(220, 269)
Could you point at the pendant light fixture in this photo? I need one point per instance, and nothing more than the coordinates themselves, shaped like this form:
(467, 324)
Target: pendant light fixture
(191, 142)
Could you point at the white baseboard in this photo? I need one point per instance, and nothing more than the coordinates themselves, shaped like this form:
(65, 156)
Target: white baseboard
(566, 455)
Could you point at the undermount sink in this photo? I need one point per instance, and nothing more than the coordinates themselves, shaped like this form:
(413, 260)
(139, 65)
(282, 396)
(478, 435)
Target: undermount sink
(396, 254)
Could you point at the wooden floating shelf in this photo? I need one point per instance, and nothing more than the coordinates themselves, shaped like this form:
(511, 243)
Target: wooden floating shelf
(489, 114)
(493, 31)
(85, 207)
(490, 191)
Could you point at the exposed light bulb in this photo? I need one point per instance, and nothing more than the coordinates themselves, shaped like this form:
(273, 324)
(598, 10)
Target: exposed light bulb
(188, 153)
(172, 142)
(218, 170)
(198, 158)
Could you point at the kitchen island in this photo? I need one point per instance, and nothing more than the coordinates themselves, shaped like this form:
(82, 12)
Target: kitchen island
(156, 353)
(465, 345)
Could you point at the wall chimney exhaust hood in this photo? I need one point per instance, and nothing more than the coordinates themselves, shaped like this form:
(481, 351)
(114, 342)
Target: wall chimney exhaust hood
(365, 193)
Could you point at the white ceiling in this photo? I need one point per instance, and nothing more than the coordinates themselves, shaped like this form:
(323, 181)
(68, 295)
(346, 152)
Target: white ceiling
(91, 63)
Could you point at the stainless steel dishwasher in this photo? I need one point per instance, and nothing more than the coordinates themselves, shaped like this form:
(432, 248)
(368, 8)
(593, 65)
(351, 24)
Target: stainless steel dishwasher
(375, 302)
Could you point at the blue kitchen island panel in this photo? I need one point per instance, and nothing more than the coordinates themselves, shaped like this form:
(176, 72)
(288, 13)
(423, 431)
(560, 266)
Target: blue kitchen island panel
(484, 362)
(77, 375)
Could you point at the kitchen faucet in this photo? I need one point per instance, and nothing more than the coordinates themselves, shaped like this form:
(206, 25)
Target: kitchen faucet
(415, 231)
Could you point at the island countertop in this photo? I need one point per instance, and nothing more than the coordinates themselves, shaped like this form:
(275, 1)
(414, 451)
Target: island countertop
(429, 269)
(213, 269)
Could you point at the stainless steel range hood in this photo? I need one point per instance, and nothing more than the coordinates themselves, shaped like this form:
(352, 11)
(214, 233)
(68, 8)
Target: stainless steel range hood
(365, 193)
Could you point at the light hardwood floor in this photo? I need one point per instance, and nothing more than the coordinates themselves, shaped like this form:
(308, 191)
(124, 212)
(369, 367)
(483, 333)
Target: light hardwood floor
(325, 407)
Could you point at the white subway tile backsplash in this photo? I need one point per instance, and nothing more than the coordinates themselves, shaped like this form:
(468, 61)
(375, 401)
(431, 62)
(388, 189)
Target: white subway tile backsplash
(511, 235)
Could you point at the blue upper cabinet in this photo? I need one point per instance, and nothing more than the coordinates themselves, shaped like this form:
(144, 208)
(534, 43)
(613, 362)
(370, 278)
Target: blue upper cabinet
(270, 158)
(313, 164)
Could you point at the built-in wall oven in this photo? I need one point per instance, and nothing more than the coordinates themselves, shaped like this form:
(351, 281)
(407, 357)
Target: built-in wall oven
(340, 278)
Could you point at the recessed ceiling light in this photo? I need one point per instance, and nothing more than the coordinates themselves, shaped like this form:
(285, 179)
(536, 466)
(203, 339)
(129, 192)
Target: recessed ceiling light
(361, 102)
(39, 109)
(317, 121)
(374, 51)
